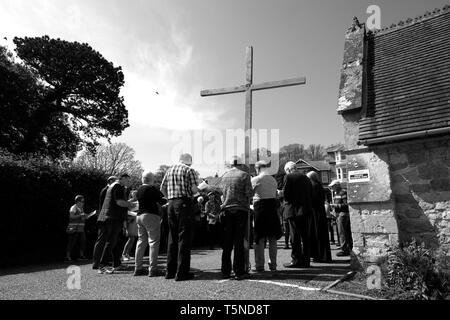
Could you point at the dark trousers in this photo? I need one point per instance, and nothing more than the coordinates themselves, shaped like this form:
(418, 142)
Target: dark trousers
(287, 232)
(300, 228)
(79, 237)
(345, 232)
(181, 223)
(331, 229)
(234, 223)
(213, 234)
(108, 232)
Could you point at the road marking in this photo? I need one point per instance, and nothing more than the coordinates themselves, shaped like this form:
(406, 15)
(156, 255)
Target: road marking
(281, 284)
(222, 281)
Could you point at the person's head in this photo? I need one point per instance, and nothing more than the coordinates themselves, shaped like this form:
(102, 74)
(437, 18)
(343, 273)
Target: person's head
(200, 200)
(148, 178)
(125, 180)
(79, 201)
(111, 180)
(235, 162)
(211, 196)
(260, 166)
(335, 186)
(186, 159)
(290, 167)
(314, 177)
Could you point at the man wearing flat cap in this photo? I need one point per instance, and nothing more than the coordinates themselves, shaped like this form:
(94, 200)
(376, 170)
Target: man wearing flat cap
(343, 218)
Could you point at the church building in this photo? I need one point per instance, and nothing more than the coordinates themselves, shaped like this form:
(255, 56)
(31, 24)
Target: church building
(394, 101)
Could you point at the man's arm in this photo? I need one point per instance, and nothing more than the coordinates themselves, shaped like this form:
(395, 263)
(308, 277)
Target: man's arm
(248, 188)
(164, 186)
(119, 197)
(194, 182)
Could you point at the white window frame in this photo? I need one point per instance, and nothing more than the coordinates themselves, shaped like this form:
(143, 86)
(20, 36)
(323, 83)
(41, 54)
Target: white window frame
(340, 174)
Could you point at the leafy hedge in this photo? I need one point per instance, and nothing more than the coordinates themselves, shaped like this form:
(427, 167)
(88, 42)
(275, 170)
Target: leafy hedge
(35, 199)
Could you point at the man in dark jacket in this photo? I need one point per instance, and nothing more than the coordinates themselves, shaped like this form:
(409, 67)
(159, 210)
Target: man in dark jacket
(297, 194)
(111, 218)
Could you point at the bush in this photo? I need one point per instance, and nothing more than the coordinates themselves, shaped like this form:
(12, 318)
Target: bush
(36, 195)
(414, 272)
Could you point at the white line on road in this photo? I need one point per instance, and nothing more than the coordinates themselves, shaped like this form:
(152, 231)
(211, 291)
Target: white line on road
(281, 284)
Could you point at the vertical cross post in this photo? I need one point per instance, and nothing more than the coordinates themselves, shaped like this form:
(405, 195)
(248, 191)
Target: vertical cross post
(248, 106)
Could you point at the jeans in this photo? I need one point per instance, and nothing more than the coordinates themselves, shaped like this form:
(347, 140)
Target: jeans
(259, 254)
(109, 231)
(234, 223)
(181, 223)
(129, 246)
(299, 228)
(345, 232)
(331, 229)
(149, 231)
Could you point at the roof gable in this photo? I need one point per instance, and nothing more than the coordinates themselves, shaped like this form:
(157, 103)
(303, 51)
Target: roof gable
(317, 165)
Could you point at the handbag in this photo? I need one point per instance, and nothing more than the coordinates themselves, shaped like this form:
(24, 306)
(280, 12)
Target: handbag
(291, 212)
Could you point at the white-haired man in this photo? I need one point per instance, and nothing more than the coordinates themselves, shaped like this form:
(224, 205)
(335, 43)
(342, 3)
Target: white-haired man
(297, 193)
(149, 225)
(180, 186)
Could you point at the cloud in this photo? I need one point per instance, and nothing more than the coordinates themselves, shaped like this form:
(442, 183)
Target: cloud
(156, 96)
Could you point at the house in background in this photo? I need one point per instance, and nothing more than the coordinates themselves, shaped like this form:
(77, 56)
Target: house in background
(338, 162)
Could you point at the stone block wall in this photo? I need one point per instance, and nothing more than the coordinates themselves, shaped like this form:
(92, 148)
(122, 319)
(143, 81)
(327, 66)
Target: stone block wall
(371, 204)
(420, 174)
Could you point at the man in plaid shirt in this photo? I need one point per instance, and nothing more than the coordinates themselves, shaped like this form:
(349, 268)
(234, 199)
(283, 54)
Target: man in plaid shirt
(180, 186)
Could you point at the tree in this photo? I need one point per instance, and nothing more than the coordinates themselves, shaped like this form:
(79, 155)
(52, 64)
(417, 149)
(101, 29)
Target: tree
(112, 159)
(315, 152)
(73, 101)
(160, 173)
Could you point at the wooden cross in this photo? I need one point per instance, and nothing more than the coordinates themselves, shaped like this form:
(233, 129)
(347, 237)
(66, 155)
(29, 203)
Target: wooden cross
(248, 88)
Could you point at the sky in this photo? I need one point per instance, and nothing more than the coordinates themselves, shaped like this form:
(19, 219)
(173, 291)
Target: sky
(178, 48)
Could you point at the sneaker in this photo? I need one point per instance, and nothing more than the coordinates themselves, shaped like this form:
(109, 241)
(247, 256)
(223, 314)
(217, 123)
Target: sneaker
(104, 270)
(258, 270)
(140, 272)
(68, 259)
(272, 267)
(226, 276)
(83, 258)
(126, 258)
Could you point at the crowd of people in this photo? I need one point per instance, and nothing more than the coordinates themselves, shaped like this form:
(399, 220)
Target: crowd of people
(238, 213)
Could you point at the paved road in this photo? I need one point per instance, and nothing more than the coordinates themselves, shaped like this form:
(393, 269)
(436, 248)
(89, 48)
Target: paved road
(50, 282)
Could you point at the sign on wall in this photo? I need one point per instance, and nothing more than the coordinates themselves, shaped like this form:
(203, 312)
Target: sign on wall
(359, 176)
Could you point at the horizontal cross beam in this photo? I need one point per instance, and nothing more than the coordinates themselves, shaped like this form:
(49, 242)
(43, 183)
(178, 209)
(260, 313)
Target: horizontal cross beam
(262, 86)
